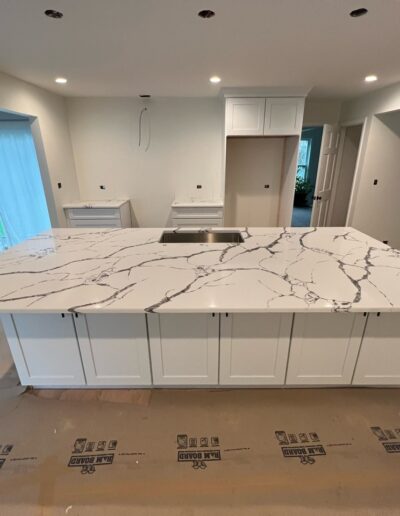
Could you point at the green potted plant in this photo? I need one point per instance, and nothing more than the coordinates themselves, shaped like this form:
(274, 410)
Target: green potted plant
(303, 188)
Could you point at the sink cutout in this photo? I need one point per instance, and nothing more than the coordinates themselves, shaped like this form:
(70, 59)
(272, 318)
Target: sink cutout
(201, 237)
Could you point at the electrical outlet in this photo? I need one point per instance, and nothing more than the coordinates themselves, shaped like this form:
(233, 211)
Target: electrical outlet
(199, 187)
(59, 185)
(102, 187)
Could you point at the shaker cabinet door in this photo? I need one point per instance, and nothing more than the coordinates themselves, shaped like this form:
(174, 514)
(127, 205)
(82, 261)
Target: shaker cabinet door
(324, 348)
(254, 348)
(184, 348)
(379, 359)
(114, 349)
(45, 349)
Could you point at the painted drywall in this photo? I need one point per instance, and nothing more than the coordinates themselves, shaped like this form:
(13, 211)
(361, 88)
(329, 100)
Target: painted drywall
(251, 165)
(321, 111)
(352, 136)
(184, 151)
(375, 208)
(379, 101)
(52, 138)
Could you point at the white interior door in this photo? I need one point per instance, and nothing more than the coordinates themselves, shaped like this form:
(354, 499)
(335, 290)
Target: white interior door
(184, 348)
(325, 175)
(254, 348)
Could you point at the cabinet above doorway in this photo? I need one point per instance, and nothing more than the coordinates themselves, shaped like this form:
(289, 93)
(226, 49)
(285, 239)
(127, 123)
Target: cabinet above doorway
(257, 116)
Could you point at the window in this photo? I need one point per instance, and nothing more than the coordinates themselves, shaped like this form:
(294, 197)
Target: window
(23, 207)
(304, 158)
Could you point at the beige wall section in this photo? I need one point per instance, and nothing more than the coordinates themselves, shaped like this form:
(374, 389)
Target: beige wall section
(379, 101)
(185, 151)
(376, 206)
(321, 111)
(50, 111)
(252, 164)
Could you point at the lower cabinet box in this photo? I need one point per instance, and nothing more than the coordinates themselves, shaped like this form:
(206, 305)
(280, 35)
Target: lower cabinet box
(184, 348)
(324, 348)
(379, 359)
(114, 349)
(254, 348)
(45, 349)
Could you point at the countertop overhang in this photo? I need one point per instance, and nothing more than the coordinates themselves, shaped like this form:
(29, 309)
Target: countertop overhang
(129, 271)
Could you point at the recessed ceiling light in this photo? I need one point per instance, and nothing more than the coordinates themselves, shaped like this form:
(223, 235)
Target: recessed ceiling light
(371, 78)
(52, 13)
(215, 79)
(358, 12)
(61, 80)
(206, 14)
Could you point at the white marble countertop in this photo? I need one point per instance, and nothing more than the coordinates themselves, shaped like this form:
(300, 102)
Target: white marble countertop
(107, 203)
(128, 270)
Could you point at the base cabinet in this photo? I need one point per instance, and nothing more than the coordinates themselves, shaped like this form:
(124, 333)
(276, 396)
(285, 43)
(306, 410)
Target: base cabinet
(184, 348)
(114, 349)
(45, 349)
(379, 359)
(324, 348)
(254, 348)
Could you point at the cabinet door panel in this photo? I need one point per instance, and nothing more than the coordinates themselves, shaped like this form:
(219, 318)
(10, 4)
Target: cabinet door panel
(184, 348)
(324, 348)
(254, 349)
(244, 116)
(114, 349)
(379, 359)
(283, 116)
(45, 349)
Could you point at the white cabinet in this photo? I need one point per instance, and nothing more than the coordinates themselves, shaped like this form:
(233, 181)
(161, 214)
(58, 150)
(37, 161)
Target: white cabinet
(254, 348)
(200, 215)
(114, 349)
(379, 358)
(45, 349)
(184, 348)
(244, 116)
(324, 348)
(106, 214)
(283, 116)
(278, 116)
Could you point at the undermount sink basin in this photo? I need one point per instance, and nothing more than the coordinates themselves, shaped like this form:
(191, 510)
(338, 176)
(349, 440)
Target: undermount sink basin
(206, 237)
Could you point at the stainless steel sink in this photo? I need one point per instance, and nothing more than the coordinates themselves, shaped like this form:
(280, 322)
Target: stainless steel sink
(206, 237)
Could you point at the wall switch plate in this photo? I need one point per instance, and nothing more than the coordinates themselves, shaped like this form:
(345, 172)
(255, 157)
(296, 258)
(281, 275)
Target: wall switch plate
(375, 181)
(59, 185)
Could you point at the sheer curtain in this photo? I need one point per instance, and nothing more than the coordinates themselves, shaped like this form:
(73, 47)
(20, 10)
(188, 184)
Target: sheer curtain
(23, 208)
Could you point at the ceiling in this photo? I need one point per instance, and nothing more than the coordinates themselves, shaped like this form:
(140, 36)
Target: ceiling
(129, 47)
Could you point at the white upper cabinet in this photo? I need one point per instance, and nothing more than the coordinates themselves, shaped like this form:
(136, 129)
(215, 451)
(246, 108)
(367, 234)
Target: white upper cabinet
(114, 349)
(254, 348)
(45, 349)
(244, 116)
(379, 359)
(283, 116)
(324, 348)
(264, 117)
(184, 348)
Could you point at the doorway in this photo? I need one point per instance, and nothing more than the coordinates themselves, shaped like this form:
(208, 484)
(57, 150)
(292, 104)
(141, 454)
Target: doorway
(307, 169)
(348, 155)
(23, 206)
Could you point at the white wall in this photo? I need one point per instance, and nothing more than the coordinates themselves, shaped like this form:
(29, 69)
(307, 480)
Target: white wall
(321, 111)
(185, 151)
(379, 101)
(376, 206)
(57, 160)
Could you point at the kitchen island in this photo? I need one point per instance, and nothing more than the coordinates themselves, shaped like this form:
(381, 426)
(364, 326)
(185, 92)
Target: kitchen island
(117, 308)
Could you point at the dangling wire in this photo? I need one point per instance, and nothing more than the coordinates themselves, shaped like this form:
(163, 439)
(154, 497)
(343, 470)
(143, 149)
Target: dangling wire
(143, 110)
